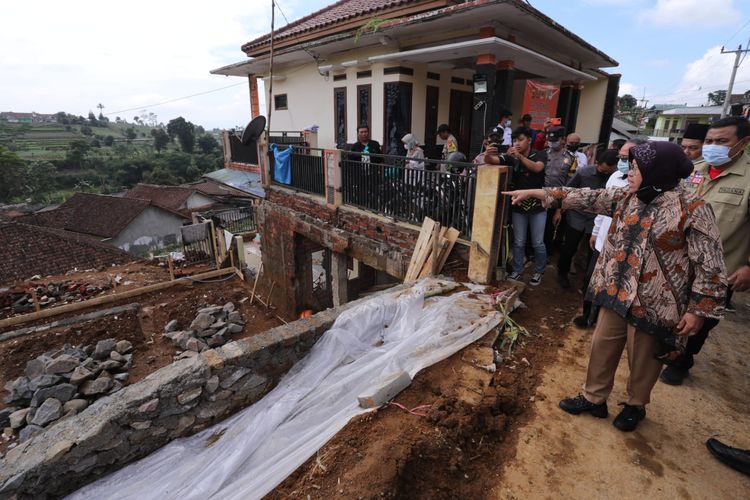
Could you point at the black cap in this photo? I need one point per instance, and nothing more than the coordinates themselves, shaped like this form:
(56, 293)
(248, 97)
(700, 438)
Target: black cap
(443, 128)
(556, 133)
(696, 131)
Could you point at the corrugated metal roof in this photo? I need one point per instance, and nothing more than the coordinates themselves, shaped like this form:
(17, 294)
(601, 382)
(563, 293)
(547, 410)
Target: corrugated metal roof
(695, 110)
(248, 182)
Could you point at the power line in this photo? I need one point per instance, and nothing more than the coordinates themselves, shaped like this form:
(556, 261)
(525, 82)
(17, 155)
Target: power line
(310, 53)
(737, 32)
(174, 100)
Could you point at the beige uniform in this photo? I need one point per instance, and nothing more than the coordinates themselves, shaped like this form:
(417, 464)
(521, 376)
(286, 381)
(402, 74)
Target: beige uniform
(729, 196)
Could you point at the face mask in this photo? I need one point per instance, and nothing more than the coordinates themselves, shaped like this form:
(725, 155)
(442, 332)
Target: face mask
(555, 145)
(623, 166)
(716, 155)
(507, 123)
(573, 147)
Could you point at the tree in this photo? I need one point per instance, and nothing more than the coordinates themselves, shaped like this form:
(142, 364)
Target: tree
(92, 119)
(184, 131)
(86, 130)
(109, 140)
(96, 144)
(161, 175)
(627, 102)
(161, 139)
(41, 180)
(77, 153)
(717, 98)
(208, 143)
(130, 134)
(12, 174)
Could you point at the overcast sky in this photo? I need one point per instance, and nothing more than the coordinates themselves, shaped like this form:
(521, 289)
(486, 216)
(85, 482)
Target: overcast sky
(71, 56)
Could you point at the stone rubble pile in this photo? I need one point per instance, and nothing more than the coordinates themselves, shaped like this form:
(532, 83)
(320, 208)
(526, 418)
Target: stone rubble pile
(62, 383)
(18, 300)
(212, 327)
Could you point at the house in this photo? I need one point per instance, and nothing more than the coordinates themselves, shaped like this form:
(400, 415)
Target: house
(177, 198)
(403, 66)
(32, 117)
(244, 181)
(673, 122)
(622, 129)
(136, 226)
(31, 250)
(222, 192)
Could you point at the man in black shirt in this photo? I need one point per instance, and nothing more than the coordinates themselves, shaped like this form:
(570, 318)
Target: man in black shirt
(528, 173)
(365, 184)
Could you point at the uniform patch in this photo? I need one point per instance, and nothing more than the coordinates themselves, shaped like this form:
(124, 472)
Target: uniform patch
(731, 190)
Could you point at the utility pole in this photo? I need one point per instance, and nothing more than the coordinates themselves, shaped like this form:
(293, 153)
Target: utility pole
(739, 56)
(270, 76)
(643, 102)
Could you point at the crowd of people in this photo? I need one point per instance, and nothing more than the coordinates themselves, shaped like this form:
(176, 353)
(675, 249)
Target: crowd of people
(667, 232)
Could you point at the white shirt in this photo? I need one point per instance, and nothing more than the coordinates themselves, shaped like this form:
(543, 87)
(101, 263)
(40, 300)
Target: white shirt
(602, 222)
(507, 139)
(582, 159)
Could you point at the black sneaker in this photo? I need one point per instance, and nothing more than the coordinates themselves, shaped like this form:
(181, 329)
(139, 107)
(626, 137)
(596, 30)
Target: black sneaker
(673, 375)
(735, 458)
(580, 404)
(563, 281)
(629, 417)
(582, 322)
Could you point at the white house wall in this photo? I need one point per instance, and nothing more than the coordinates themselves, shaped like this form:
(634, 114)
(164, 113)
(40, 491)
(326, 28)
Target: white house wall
(154, 228)
(198, 200)
(591, 110)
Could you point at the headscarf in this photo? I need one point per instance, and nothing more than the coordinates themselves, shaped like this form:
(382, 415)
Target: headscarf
(662, 165)
(410, 141)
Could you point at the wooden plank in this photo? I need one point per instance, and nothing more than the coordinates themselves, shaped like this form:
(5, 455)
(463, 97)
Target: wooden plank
(424, 234)
(423, 249)
(106, 299)
(486, 223)
(452, 237)
(430, 263)
(255, 285)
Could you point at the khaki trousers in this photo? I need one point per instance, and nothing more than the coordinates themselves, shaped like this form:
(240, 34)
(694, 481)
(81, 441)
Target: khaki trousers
(611, 335)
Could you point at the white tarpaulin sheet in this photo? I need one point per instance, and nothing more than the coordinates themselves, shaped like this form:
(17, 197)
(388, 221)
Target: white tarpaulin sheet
(260, 446)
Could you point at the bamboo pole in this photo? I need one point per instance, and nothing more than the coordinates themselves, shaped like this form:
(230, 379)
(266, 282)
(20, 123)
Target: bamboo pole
(34, 297)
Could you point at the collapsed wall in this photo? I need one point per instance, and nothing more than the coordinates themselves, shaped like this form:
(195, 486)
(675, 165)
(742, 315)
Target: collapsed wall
(178, 400)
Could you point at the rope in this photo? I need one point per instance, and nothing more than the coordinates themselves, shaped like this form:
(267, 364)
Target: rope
(417, 410)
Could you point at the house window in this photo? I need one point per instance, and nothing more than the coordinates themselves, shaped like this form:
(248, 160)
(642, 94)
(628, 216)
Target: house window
(339, 116)
(279, 101)
(397, 115)
(364, 105)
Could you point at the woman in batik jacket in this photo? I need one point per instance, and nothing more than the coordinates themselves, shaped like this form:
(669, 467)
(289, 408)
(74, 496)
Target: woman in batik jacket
(661, 272)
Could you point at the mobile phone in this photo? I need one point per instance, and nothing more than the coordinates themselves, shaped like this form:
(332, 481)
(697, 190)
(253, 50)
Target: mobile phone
(555, 121)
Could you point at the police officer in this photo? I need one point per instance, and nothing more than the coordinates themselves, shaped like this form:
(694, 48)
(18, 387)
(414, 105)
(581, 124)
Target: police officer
(560, 160)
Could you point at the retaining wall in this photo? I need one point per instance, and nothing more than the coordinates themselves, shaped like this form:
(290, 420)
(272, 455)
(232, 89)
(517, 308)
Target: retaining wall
(178, 400)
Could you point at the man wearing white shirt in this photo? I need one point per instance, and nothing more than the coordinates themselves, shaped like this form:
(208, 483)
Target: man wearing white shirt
(601, 227)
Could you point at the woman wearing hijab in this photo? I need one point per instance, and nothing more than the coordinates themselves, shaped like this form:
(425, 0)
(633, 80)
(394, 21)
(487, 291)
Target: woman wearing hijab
(660, 274)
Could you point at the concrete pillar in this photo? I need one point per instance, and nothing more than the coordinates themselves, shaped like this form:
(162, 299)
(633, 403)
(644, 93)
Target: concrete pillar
(610, 107)
(483, 116)
(332, 172)
(339, 278)
(254, 97)
(263, 163)
(504, 78)
(487, 227)
(303, 283)
(567, 106)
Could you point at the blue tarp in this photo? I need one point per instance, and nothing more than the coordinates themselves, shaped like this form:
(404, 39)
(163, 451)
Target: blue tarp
(282, 169)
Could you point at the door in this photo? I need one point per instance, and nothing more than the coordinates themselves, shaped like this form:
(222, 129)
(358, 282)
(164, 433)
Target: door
(431, 149)
(459, 119)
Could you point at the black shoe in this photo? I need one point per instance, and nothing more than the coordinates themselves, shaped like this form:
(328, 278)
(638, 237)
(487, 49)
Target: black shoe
(629, 417)
(563, 281)
(582, 322)
(580, 404)
(673, 375)
(735, 458)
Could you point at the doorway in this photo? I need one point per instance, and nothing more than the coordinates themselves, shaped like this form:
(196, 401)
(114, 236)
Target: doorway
(459, 119)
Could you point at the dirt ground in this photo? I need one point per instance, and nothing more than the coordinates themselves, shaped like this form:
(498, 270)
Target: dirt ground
(458, 448)
(508, 439)
(143, 327)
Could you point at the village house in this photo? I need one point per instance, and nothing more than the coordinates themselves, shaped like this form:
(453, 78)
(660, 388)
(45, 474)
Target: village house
(403, 66)
(177, 198)
(134, 225)
(33, 117)
(32, 250)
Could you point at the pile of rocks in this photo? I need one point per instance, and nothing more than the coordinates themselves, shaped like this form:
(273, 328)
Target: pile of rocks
(19, 300)
(63, 382)
(212, 327)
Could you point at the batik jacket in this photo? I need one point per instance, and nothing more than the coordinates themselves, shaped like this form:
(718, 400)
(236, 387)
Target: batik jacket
(660, 260)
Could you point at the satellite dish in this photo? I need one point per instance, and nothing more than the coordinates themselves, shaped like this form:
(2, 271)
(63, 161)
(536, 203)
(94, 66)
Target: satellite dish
(253, 130)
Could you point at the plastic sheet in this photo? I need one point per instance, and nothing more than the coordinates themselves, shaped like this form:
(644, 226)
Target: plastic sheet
(260, 446)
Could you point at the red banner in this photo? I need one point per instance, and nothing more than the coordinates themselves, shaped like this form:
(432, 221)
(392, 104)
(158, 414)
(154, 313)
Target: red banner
(540, 101)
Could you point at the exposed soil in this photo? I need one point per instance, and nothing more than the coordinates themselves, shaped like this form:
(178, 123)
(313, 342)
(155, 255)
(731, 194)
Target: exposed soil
(470, 429)
(143, 328)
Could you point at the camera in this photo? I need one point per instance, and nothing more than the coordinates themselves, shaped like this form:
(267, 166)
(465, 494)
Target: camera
(505, 159)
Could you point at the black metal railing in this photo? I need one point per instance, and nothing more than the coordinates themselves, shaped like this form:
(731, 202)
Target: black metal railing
(235, 220)
(286, 137)
(196, 243)
(306, 166)
(410, 190)
(241, 153)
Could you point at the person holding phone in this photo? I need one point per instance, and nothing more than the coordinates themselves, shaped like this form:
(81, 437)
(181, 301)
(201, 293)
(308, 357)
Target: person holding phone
(660, 276)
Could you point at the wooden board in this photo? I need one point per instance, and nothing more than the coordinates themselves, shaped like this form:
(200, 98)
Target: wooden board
(422, 249)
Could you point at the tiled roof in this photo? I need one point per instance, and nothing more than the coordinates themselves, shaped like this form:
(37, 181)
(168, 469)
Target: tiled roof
(336, 13)
(213, 188)
(247, 182)
(30, 250)
(172, 197)
(95, 214)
